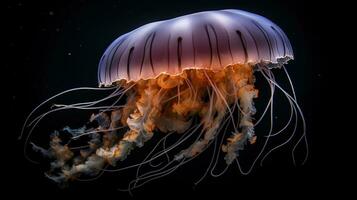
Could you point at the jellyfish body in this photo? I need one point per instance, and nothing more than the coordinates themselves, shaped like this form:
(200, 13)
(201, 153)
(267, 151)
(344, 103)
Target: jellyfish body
(193, 76)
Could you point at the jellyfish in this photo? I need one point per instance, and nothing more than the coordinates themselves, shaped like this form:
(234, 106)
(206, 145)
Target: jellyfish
(192, 77)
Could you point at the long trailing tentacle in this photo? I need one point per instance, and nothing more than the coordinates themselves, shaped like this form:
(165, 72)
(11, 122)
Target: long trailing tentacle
(296, 105)
(80, 106)
(215, 153)
(270, 75)
(53, 97)
(84, 105)
(267, 74)
(222, 98)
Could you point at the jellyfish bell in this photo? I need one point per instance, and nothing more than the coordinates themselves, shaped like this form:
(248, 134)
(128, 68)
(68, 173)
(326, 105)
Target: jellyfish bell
(206, 40)
(193, 76)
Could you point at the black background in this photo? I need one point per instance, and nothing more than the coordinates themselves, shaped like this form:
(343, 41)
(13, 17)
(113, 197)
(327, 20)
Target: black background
(56, 45)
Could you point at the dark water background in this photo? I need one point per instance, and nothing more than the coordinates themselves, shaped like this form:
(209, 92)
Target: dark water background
(56, 45)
